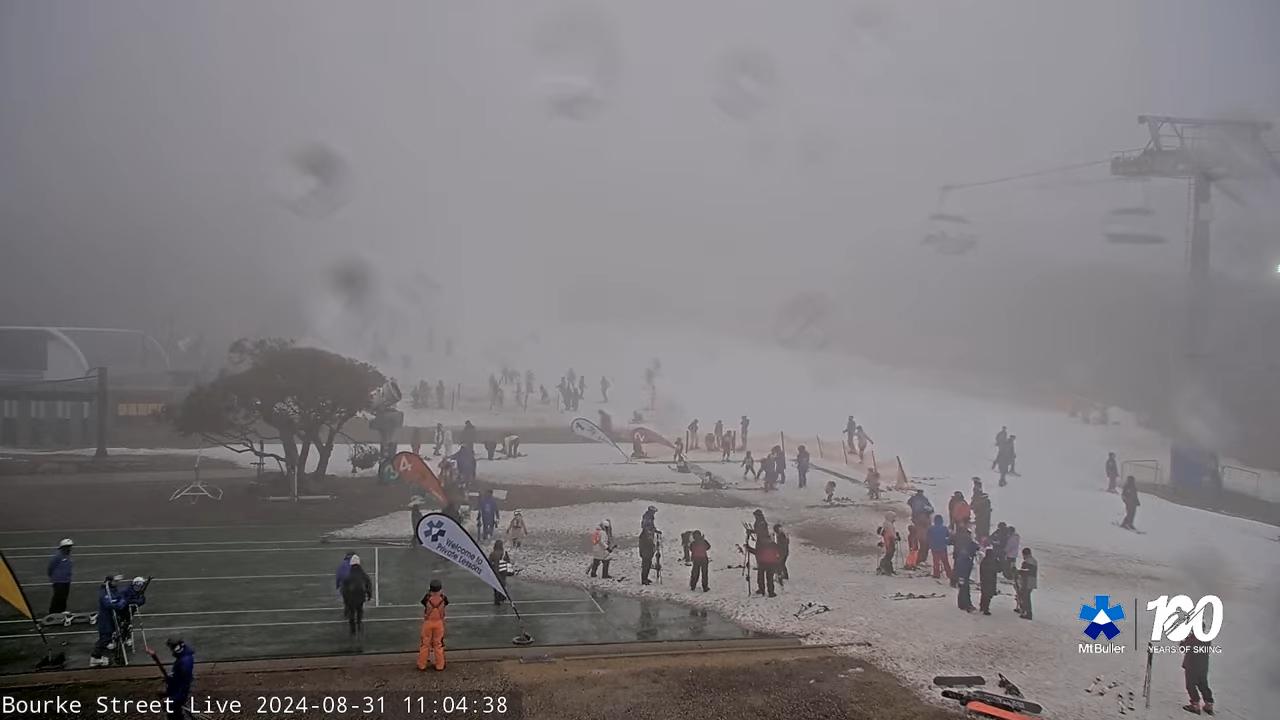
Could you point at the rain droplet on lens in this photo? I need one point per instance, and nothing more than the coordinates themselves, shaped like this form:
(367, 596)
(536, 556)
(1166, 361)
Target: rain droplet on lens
(321, 181)
(745, 83)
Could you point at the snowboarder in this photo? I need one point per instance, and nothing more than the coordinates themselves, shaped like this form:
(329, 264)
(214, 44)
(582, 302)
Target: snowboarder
(517, 530)
(693, 434)
(177, 684)
(109, 601)
(988, 570)
(863, 441)
(1130, 497)
(743, 425)
(784, 550)
(489, 514)
(1112, 471)
(889, 541)
(604, 389)
(699, 557)
(937, 540)
(981, 506)
(1012, 545)
(1195, 672)
(829, 489)
(1026, 582)
(873, 484)
(601, 548)
(648, 546)
(1001, 437)
(802, 466)
(500, 561)
(431, 639)
(749, 465)
(59, 572)
(357, 589)
(963, 574)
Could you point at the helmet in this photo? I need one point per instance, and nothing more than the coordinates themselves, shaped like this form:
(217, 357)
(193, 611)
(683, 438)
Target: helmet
(436, 586)
(605, 523)
(65, 542)
(653, 508)
(355, 559)
(139, 581)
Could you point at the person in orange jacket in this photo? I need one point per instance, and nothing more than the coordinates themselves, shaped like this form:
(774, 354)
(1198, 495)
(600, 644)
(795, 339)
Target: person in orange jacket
(432, 641)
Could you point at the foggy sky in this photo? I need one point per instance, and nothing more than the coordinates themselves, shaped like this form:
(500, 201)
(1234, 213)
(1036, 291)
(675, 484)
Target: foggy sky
(144, 152)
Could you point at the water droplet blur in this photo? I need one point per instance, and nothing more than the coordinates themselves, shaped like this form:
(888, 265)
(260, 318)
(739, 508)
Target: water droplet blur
(320, 181)
(579, 61)
(745, 83)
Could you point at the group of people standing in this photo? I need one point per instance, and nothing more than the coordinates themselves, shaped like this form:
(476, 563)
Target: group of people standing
(774, 467)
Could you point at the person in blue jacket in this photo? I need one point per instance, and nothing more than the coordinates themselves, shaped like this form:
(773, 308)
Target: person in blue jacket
(465, 462)
(964, 570)
(344, 569)
(938, 538)
(489, 514)
(133, 596)
(109, 601)
(178, 682)
(59, 572)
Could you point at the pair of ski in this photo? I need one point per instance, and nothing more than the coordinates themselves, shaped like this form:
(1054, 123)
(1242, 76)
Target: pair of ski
(809, 609)
(1013, 702)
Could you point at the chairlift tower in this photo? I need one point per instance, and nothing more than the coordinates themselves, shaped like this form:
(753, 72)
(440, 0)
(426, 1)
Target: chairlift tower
(1191, 149)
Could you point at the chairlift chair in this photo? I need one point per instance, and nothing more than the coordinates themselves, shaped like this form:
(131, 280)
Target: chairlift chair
(1132, 224)
(950, 234)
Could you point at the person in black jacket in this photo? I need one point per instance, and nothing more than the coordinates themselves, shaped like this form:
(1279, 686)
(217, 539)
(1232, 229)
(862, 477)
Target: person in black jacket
(1113, 472)
(784, 550)
(356, 590)
(700, 559)
(988, 570)
(647, 548)
(1130, 497)
(802, 466)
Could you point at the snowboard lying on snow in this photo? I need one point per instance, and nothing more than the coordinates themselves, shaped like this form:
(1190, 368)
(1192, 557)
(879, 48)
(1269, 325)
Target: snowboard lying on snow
(959, 680)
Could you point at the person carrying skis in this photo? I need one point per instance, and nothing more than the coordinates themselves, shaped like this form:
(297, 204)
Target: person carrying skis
(1129, 495)
(963, 574)
(1026, 582)
(134, 597)
(178, 681)
(937, 540)
(802, 466)
(357, 589)
(109, 601)
(700, 559)
(988, 570)
(784, 550)
(1195, 673)
(59, 572)
(889, 541)
(1112, 471)
(500, 561)
(517, 530)
(601, 548)
(431, 640)
(648, 546)
(489, 514)
(749, 465)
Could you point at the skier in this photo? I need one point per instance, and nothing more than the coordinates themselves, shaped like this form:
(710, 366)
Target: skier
(889, 541)
(749, 464)
(679, 452)
(437, 440)
(604, 389)
(1001, 437)
(784, 550)
(699, 556)
(988, 569)
(468, 435)
(648, 546)
(543, 396)
(981, 506)
(601, 548)
(726, 448)
(759, 525)
(1130, 497)
(873, 484)
(464, 461)
(743, 425)
(489, 514)
(59, 572)
(356, 591)
(1012, 544)
(963, 574)
(719, 433)
(829, 489)
(921, 514)
(958, 510)
(133, 598)
(863, 440)
(109, 601)
(1113, 472)
(850, 431)
(648, 520)
(177, 684)
(582, 389)
(500, 561)
(767, 558)
(1026, 583)
(693, 434)
(431, 640)
(517, 530)
(802, 466)
(1195, 672)
(937, 540)
(780, 464)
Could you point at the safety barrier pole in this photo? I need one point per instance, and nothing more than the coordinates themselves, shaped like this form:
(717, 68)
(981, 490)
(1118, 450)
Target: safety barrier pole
(819, 439)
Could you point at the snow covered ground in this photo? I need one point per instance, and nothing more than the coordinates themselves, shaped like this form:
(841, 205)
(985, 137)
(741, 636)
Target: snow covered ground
(1058, 505)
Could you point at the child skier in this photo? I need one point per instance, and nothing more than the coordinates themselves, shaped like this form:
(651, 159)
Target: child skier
(356, 591)
(873, 484)
(489, 515)
(431, 640)
(937, 540)
(829, 489)
(1129, 495)
(749, 463)
(517, 530)
(889, 541)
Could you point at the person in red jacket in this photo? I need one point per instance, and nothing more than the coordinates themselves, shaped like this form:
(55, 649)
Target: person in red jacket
(958, 508)
(700, 560)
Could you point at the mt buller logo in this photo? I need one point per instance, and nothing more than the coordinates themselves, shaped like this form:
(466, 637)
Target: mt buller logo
(1102, 617)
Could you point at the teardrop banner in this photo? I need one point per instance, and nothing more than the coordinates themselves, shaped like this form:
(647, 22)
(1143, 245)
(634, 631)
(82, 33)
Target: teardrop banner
(443, 536)
(411, 467)
(646, 436)
(584, 428)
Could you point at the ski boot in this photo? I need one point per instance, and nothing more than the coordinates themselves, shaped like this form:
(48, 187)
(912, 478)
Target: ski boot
(1208, 708)
(105, 661)
(1193, 708)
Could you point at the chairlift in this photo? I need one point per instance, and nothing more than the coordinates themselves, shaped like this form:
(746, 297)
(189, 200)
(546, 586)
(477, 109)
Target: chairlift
(1133, 224)
(950, 234)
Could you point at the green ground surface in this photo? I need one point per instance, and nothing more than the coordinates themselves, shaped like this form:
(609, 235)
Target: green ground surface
(261, 592)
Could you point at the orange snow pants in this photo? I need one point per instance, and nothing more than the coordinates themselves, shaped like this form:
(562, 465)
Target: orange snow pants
(432, 642)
